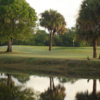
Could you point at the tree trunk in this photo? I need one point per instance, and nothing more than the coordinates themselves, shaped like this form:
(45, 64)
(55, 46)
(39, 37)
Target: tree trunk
(9, 49)
(94, 88)
(51, 83)
(94, 48)
(53, 37)
(50, 42)
(9, 82)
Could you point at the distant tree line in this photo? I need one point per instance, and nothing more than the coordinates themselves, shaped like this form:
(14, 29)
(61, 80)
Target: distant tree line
(42, 38)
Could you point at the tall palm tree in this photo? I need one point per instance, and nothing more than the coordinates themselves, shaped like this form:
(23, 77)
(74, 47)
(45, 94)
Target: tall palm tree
(88, 23)
(54, 22)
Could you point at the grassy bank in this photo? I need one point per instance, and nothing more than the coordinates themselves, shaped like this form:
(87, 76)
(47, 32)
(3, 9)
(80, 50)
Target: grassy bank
(54, 67)
(61, 61)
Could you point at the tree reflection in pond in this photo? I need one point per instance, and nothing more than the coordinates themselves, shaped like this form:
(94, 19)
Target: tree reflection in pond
(9, 82)
(22, 78)
(65, 80)
(86, 96)
(53, 92)
(10, 92)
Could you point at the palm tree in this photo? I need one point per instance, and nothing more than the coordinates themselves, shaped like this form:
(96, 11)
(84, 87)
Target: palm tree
(88, 23)
(54, 22)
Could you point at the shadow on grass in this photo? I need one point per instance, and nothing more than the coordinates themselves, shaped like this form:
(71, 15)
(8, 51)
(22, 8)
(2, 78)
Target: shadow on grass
(62, 48)
(2, 52)
(5, 52)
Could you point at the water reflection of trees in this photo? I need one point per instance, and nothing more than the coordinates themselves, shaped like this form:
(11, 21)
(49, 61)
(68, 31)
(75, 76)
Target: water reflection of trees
(53, 92)
(22, 78)
(8, 91)
(87, 96)
(65, 79)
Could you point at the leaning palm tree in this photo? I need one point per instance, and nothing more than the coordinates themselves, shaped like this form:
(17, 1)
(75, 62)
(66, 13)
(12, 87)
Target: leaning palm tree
(54, 22)
(88, 23)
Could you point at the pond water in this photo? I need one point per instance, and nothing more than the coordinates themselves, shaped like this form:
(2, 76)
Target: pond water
(58, 88)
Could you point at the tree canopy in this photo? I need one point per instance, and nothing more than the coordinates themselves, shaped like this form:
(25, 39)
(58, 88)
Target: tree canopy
(88, 23)
(17, 20)
(53, 21)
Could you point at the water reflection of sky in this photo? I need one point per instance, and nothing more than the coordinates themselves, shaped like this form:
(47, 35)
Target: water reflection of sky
(79, 86)
(42, 83)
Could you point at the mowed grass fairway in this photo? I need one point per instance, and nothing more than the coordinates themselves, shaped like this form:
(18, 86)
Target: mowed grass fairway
(78, 53)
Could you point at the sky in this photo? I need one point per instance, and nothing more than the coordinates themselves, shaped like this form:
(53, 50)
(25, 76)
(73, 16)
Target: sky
(68, 8)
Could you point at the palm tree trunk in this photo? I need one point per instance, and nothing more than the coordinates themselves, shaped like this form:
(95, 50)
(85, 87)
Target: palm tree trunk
(51, 83)
(9, 49)
(9, 82)
(94, 88)
(53, 37)
(50, 42)
(94, 48)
